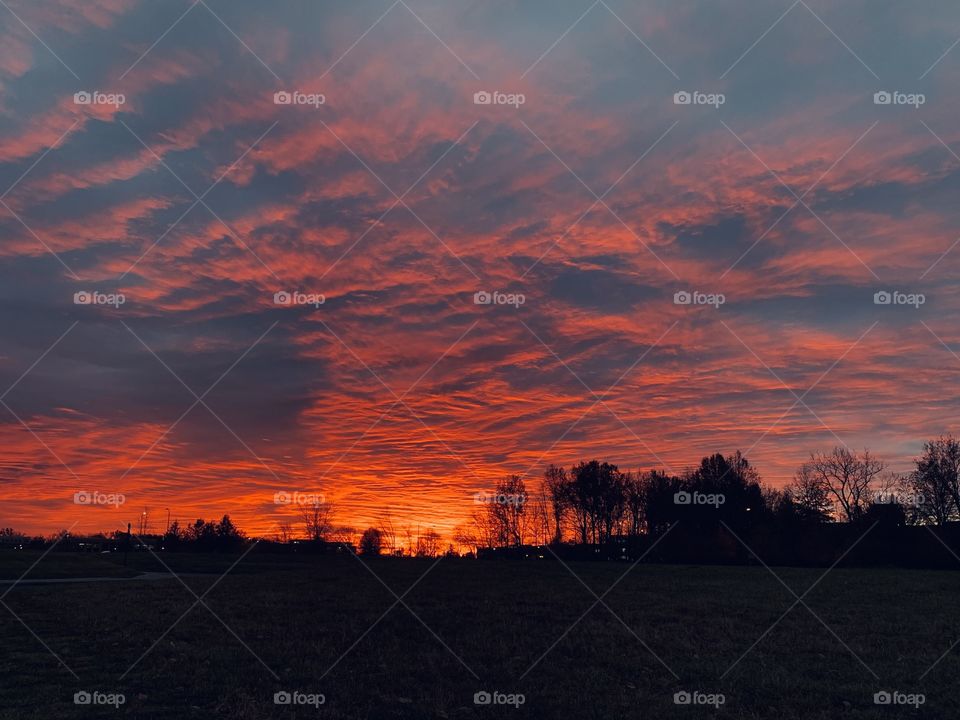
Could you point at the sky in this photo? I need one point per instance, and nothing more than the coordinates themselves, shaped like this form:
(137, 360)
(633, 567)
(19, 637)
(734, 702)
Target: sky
(464, 248)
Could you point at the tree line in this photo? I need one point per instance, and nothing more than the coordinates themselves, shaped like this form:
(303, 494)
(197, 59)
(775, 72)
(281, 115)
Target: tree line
(596, 503)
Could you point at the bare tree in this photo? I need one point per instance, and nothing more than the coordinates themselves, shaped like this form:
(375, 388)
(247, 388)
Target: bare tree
(486, 527)
(634, 501)
(846, 477)
(507, 511)
(317, 519)
(428, 544)
(284, 533)
(388, 532)
(558, 488)
(464, 538)
(538, 516)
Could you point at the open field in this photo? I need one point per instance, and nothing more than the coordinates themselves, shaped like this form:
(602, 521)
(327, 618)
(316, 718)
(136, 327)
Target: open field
(305, 624)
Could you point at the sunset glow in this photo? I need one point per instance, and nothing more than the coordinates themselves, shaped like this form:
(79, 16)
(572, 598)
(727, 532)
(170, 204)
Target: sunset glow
(379, 183)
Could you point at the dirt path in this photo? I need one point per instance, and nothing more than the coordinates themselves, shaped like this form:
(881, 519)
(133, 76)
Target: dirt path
(142, 576)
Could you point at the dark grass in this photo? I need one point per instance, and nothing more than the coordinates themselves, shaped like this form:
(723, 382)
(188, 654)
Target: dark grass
(13, 564)
(300, 615)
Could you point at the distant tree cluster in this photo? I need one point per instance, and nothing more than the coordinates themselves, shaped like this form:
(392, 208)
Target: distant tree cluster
(206, 535)
(595, 503)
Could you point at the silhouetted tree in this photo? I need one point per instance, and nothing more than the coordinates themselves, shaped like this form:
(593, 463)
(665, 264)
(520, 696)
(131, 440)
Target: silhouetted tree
(847, 478)
(809, 498)
(507, 510)
(935, 483)
(538, 511)
(486, 528)
(284, 533)
(388, 532)
(229, 536)
(174, 537)
(317, 519)
(658, 491)
(371, 542)
(203, 534)
(633, 503)
(558, 489)
(464, 538)
(428, 544)
(596, 497)
(735, 485)
(10, 537)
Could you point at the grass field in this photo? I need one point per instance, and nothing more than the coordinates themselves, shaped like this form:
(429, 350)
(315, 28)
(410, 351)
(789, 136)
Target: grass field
(304, 624)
